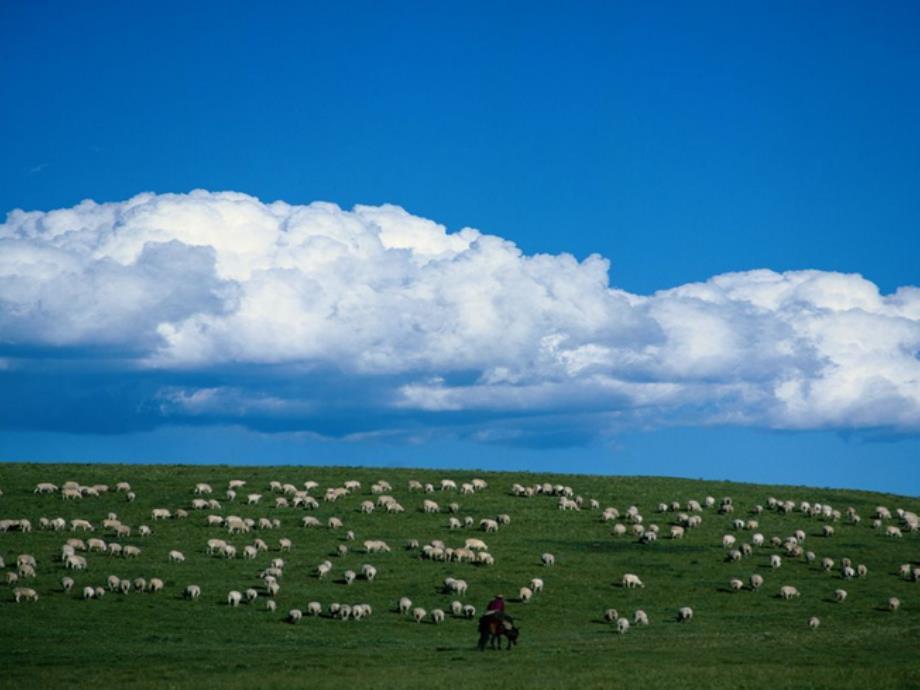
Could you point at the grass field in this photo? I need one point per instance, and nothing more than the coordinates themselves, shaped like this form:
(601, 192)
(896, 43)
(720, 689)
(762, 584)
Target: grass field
(741, 639)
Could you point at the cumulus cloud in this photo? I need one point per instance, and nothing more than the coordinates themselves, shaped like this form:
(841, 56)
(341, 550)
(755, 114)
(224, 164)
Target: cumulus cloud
(373, 319)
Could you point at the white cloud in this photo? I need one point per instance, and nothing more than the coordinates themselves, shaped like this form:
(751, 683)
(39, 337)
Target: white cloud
(445, 322)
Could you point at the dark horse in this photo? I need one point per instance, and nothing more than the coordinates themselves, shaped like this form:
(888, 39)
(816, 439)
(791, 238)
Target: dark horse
(493, 627)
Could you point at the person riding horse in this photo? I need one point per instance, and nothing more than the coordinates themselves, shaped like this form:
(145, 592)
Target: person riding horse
(495, 623)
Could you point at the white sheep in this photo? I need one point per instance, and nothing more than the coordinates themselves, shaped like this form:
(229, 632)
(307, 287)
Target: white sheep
(814, 622)
(548, 559)
(67, 583)
(610, 615)
(536, 584)
(631, 581)
(270, 605)
(456, 608)
(27, 593)
(234, 598)
(418, 613)
(735, 584)
(89, 593)
(469, 611)
(294, 616)
(894, 603)
(437, 616)
(404, 605)
(349, 576)
(314, 608)
(640, 617)
(788, 592)
(192, 592)
(840, 595)
(176, 557)
(622, 626)
(155, 585)
(775, 561)
(685, 614)
(369, 572)
(525, 594)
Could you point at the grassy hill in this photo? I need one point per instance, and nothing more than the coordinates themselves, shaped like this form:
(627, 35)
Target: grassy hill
(736, 639)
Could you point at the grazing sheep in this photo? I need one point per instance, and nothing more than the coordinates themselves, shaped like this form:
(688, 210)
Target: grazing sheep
(788, 592)
(456, 608)
(476, 545)
(404, 605)
(349, 576)
(775, 561)
(270, 605)
(192, 592)
(376, 546)
(234, 598)
(756, 581)
(536, 584)
(840, 595)
(469, 611)
(139, 584)
(814, 622)
(862, 570)
(640, 617)
(622, 626)
(418, 613)
(369, 572)
(294, 616)
(437, 616)
(735, 584)
(894, 603)
(314, 608)
(67, 583)
(155, 585)
(684, 614)
(525, 594)
(89, 593)
(631, 581)
(848, 573)
(488, 525)
(176, 557)
(27, 593)
(827, 564)
(548, 559)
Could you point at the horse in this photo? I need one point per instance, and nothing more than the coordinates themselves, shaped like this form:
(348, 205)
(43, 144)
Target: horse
(492, 627)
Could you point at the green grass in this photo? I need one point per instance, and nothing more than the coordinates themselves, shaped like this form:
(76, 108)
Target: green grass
(737, 640)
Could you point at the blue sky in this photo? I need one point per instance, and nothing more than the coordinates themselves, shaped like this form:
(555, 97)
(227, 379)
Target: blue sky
(678, 141)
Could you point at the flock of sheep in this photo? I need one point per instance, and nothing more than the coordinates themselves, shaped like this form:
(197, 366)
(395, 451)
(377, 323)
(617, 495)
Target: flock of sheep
(742, 539)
